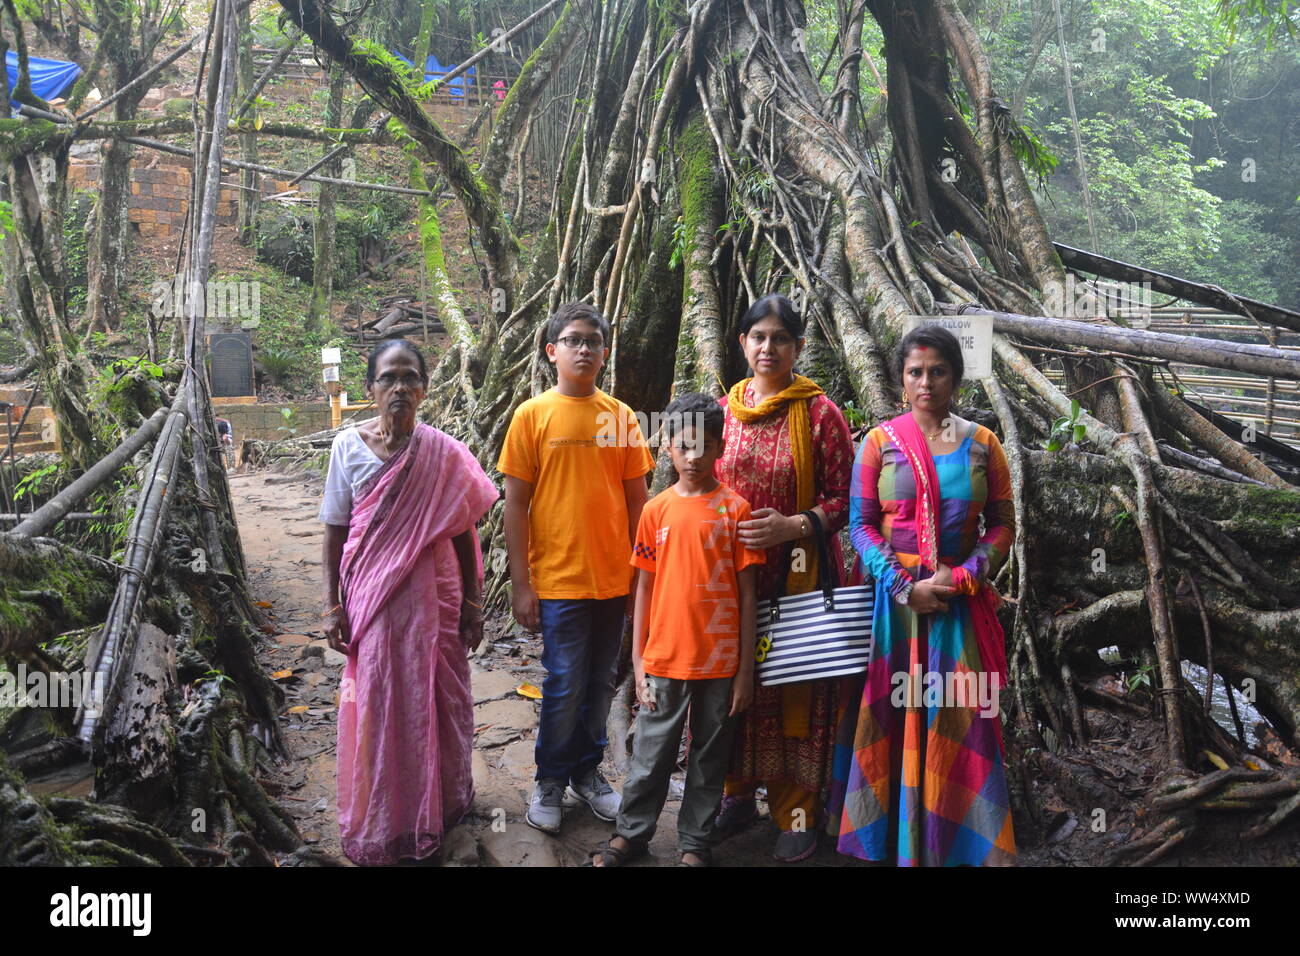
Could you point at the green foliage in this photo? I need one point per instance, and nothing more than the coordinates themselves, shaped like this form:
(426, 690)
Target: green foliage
(411, 76)
(855, 416)
(1140, 678)
(134, 363)
(6, 218)
(290, 426)
(374, 221)
(680, 243)
(75, 234)
(1192, 160)
(267, 27)
(278, 363)
(1033, 153)
(35, 481)
(1270, 17)
(1066, 429)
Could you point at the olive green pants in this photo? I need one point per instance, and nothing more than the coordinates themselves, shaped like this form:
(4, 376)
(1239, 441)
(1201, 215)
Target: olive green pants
(705, 703)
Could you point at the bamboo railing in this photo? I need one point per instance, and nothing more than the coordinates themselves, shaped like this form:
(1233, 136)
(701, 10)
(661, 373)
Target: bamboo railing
(1272, 403)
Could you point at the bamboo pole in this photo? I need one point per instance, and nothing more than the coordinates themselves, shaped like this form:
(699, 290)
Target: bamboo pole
(207, 188)
(1213, 296)
(152, 504)
(58, 507)
(1232, 454)
(1212, 353)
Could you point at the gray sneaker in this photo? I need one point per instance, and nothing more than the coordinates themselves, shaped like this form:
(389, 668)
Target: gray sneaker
(594, 790)
(544, 806)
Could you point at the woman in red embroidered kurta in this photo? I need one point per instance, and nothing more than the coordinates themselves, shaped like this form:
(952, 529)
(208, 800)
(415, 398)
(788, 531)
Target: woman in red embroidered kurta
(777, 422)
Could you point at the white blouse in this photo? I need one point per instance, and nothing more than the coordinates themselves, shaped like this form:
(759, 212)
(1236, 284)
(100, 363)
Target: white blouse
(351, 463)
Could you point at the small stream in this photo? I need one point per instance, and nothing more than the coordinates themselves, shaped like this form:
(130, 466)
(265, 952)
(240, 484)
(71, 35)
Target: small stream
(1219, 708)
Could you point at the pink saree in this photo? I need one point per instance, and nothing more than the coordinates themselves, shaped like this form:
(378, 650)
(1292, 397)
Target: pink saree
(406, 714)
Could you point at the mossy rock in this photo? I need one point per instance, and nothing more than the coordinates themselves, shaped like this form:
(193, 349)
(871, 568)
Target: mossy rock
(286, 241)
(177, 106)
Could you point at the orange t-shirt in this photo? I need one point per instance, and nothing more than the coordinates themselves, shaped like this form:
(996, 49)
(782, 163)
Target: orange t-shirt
(695, 606)
(576, 453)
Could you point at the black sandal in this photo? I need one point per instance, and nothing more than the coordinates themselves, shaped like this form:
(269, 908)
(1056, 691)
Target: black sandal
(611, 855)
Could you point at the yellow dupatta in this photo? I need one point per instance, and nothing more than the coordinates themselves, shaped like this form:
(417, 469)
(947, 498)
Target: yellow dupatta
(796, 699)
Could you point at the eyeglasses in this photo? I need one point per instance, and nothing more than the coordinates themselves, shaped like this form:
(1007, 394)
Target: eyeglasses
(576, 342)
(410, 380)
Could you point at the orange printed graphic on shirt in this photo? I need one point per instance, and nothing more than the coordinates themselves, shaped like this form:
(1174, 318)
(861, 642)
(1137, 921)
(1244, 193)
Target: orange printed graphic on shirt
(694, 608)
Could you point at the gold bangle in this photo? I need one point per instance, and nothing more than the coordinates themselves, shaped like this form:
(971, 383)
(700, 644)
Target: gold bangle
(336, 607)
(472, 604)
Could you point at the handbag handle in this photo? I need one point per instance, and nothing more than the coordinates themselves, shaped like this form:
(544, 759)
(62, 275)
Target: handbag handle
(825, 576)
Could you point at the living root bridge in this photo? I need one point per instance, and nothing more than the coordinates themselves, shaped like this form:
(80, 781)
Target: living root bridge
(189, 720)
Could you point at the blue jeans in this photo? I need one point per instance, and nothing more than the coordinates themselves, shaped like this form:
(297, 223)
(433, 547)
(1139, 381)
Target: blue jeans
(580, 644)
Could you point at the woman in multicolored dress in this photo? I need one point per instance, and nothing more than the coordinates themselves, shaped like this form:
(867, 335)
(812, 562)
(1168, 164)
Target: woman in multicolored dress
(788, 450)
(924, 783)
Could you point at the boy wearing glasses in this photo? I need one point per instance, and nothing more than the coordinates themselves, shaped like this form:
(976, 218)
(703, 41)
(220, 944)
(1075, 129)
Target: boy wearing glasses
(692, 640)
(573, 500)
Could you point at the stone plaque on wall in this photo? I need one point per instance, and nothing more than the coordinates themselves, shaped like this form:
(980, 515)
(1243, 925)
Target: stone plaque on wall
(231, 366)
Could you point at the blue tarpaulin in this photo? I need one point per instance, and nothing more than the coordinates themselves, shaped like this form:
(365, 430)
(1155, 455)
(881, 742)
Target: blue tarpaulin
(434, 70)
(50, 78)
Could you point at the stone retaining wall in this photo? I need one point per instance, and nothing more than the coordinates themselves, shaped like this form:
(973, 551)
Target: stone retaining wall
(264, 421)
(160, 196)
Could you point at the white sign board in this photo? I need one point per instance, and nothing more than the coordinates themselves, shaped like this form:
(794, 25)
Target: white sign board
(974, 332)
(330, 357)
(331, 373)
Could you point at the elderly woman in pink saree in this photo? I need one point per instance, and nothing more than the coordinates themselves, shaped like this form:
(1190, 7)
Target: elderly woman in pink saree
(402, 580)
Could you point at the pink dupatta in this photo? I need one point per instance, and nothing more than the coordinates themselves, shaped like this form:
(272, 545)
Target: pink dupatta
(406, 712)
(984, 599)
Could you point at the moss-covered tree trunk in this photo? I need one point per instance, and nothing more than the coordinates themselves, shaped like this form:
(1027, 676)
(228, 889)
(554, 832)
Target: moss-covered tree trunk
(250, 195)
(108, 249)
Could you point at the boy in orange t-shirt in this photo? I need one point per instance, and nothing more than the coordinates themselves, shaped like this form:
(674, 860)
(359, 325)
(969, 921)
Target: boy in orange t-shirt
(695, 598)
(575, 462)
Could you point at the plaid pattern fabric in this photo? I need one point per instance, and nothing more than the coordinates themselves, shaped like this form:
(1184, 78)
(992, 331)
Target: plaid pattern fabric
(920, 780)
(649, 552)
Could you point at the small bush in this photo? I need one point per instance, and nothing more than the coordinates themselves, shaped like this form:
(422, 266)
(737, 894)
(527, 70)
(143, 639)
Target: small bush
(278, 363)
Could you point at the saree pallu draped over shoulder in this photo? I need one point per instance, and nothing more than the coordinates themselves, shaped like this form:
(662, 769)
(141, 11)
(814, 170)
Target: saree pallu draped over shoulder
(406, 713)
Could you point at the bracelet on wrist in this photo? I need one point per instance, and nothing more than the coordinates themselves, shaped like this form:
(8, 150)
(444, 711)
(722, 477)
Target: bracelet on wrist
(336, 607)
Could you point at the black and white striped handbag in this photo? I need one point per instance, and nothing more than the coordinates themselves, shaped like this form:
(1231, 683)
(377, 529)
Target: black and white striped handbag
(824, 633)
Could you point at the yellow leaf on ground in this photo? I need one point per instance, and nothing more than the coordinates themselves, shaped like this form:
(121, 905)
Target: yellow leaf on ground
(281, 675)
(300, 709)
(262, 603)
(1216, 760)
(528, 690)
